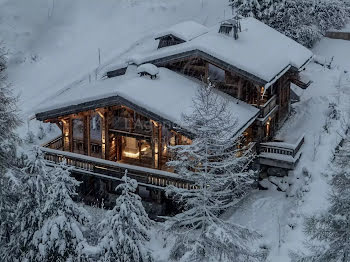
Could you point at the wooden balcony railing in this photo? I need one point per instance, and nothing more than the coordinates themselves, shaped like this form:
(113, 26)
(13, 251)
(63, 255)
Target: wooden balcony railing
(99, 167)
(266, 108)
(56, 143)
(279, 154)
(282, 148)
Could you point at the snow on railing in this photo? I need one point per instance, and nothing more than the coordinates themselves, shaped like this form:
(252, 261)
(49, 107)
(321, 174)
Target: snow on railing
(100, 167)
(282, 148)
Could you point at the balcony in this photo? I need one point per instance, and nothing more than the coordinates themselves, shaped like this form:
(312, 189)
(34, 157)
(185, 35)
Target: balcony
(280, 154)
(269, 106)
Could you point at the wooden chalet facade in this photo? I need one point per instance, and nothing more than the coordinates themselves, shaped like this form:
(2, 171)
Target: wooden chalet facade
(129, 135)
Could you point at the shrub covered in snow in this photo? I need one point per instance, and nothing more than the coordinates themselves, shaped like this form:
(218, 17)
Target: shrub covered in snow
(60, 237)
(48, 224)
(28, 216)
(124, 234)
(41, 133)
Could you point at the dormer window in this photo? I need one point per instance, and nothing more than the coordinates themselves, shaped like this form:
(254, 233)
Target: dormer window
(226, 28)
(169, 40)
(180, 33)
(231, 27)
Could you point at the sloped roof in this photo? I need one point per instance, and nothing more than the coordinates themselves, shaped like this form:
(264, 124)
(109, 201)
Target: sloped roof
(168, 97)
(259, 51)
(186, 30)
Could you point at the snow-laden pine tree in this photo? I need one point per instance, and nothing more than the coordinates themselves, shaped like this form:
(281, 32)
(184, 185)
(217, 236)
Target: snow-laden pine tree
(215, 165)
(9, 121)
(60, 237)
(125, 230)
(331, 229)
(28, 216)
(260, 9)
(330, 14)
(294, 19)
(302, 20)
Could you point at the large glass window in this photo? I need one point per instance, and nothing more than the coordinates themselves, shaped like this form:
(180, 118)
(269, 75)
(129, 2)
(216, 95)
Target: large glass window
(95, 128)
(78, 136)
(216, 74)
(96, 135)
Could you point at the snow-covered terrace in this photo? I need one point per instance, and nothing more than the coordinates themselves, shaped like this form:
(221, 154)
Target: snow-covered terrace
(169, 96)
(259, 51)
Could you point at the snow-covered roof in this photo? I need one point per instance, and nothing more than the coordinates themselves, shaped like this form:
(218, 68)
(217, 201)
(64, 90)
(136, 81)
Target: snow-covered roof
(259, 51)
(169, 96)
(186, 30)
(148, 68)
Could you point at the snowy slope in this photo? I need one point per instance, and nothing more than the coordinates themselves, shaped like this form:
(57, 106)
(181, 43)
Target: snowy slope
(59, 40)
(279, 216)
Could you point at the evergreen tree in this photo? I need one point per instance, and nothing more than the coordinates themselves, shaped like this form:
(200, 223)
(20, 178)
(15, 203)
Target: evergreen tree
(294, 19)
(330, 14)
(28, 217)
(219, 181)
(60, 237)
(305, 21)
(125, 229)
(9, 121)
(260, 9)
(331, 229)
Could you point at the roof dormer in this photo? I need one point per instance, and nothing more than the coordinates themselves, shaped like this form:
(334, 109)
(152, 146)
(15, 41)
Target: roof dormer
(180, 33)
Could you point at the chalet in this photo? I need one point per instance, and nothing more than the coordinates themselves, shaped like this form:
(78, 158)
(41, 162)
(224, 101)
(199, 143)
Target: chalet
(128, 119)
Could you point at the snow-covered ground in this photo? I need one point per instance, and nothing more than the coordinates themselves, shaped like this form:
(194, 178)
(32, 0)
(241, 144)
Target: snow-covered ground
(53, 44)
(278, 216)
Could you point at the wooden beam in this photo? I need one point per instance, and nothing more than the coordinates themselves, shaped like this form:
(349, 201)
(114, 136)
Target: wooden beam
(159, 146)
(70, 135)
(87, 137)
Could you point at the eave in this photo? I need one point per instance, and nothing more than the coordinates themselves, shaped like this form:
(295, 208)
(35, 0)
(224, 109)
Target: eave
(163, 61)
(107, 102)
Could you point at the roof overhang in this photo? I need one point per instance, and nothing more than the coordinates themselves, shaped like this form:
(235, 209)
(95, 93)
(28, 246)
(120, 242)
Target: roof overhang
(107, 102)
(120, 101)
(162, 61)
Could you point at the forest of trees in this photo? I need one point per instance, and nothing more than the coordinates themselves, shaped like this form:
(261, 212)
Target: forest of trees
(305, 21)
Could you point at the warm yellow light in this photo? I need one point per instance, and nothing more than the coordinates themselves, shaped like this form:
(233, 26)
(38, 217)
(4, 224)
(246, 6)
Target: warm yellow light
(154, 122)
(100, 114)
(262, 92)
(130, 154)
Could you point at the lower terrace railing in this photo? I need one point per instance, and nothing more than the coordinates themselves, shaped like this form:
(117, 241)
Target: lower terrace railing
(282, 153)
(89, 165)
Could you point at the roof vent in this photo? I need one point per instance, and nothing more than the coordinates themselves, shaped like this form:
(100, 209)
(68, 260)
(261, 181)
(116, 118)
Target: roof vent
(148, 70)
(231, 27)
